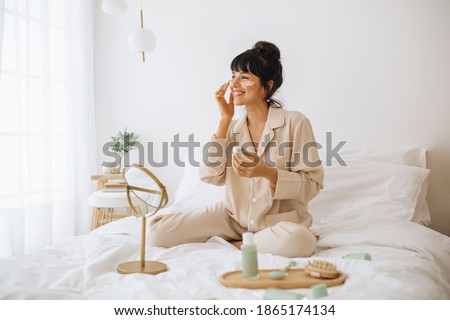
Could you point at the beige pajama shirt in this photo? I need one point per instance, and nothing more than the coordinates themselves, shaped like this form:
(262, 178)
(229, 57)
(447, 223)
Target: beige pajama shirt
(276, 213)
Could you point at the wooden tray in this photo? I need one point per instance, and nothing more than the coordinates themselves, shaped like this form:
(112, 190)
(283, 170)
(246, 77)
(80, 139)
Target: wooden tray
(296, 278)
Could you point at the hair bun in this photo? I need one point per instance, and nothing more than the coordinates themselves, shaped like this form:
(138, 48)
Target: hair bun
(265, 47)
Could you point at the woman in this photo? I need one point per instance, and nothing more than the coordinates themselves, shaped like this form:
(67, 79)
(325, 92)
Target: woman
(268, 187)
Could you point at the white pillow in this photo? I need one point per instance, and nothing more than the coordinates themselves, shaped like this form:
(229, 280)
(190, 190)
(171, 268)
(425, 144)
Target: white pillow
(406, 156)
(367, 189)
(402, 156)
(193, 194)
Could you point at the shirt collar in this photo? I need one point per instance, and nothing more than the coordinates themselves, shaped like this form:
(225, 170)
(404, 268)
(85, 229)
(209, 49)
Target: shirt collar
(275, 119)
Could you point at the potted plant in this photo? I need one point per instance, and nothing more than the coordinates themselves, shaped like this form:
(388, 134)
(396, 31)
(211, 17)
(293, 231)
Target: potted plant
(123, 142)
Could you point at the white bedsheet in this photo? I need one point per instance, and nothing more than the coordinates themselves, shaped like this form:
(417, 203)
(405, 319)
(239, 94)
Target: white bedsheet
(409, 261)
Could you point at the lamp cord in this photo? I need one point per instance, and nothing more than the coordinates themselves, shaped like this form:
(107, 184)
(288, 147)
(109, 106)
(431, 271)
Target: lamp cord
(142, 27)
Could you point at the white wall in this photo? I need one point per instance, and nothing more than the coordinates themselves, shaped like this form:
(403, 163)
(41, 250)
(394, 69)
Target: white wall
(376, 73)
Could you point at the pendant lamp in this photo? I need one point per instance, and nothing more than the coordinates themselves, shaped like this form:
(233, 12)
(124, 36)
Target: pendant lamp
(142, 40)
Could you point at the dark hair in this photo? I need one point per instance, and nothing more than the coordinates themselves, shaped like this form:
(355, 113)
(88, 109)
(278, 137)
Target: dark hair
(263, 60)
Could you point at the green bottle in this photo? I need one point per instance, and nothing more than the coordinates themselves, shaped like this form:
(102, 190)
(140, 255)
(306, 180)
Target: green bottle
(249, 257)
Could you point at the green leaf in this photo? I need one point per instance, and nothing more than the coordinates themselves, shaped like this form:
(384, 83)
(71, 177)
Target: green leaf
(124, 141)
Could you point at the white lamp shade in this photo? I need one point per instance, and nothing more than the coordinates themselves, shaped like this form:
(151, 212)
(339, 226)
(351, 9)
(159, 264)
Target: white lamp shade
(142, 40)
(114, 6)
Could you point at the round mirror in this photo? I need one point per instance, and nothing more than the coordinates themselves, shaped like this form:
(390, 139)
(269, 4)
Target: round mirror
(146, 187)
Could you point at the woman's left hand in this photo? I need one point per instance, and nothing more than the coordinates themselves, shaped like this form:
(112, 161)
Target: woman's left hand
(253, 166)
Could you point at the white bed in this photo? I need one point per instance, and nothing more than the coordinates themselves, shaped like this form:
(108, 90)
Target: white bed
(366, 207)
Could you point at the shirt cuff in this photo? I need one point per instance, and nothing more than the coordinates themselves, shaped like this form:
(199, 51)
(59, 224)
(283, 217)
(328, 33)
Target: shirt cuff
(287, 186)
(215, 153)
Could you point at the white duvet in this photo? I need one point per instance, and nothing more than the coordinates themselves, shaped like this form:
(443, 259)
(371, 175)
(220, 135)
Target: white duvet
(409, 261)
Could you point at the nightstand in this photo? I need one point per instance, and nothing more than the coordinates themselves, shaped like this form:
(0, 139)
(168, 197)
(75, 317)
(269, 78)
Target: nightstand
(105, 204)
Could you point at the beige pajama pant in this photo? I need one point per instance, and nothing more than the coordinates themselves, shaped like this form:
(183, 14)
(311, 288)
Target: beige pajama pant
(286, 238)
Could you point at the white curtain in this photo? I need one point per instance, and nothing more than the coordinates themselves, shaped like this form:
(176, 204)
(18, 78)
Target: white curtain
(2, 13)
(47, 150)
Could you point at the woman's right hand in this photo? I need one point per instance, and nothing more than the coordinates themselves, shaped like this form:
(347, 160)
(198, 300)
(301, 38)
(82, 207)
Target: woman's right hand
(226, 108)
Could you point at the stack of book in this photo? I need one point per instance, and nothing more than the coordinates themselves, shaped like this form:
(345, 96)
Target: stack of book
(115, 186)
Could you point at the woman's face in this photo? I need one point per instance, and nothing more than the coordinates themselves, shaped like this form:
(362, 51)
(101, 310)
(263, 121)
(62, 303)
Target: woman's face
(246, 88)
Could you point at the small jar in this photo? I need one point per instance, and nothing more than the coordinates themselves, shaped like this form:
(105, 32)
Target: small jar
(106, 170)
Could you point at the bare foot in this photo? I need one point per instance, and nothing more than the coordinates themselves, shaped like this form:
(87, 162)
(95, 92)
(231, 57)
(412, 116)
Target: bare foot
(237, 244)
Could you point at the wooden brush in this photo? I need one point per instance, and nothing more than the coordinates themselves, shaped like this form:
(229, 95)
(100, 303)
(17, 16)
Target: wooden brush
(321, 269)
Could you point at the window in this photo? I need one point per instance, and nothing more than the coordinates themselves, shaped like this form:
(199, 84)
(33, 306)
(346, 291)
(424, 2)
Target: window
(47, 139)
(32, 90)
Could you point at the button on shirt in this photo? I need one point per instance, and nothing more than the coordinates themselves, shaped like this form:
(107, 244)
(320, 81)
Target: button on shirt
(256, 203)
